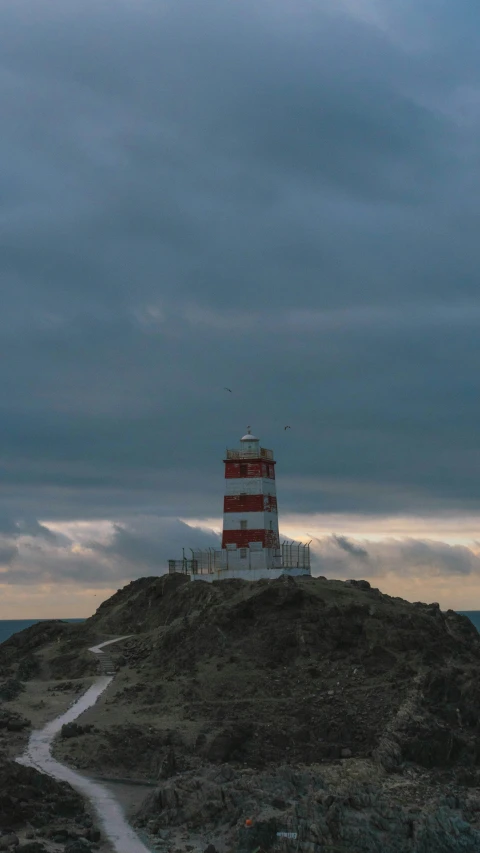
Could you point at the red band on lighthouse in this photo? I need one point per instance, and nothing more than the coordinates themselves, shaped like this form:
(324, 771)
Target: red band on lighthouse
(242, 470)
(249, 503)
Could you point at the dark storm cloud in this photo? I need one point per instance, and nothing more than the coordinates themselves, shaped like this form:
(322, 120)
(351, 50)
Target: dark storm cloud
(152, 543)
(24, 527)
(276, 197)
(348, 546)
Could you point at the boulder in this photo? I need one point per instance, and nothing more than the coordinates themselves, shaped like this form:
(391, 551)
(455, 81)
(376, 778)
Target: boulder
(74, 730)
(11, 721)
(359, 584)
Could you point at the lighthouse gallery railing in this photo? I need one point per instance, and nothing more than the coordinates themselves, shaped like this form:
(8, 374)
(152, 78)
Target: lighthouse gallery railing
(263, 453)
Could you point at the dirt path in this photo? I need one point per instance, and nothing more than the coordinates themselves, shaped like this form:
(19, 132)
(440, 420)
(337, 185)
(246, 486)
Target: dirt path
(38, 754)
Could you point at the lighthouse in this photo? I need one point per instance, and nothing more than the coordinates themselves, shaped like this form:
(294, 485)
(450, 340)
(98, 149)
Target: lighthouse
(251, 547)
(250, 517)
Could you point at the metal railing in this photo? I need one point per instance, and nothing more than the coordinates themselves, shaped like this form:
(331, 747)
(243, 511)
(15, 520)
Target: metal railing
(188, 567)
(201, 563)
(295, 555)
(290, 555)
(261, 453)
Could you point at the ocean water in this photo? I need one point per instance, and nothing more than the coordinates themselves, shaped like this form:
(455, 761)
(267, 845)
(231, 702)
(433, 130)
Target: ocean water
(474, 616)
(12, 626)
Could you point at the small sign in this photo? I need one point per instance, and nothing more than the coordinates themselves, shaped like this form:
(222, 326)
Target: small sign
(286, 834)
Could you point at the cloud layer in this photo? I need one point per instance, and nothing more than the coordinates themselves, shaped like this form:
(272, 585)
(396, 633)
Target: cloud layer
(102, 556)
(281, 197)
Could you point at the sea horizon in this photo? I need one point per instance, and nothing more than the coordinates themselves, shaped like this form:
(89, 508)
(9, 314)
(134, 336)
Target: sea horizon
(8, 627)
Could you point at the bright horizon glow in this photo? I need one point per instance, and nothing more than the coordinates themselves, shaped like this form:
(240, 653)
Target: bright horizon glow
(302, 527)
(457, 590)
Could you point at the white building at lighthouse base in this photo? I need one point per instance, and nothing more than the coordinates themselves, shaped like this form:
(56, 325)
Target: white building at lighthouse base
(292, 558)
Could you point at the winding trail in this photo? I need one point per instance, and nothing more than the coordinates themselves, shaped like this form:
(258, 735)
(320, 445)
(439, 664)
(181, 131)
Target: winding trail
(38, 755)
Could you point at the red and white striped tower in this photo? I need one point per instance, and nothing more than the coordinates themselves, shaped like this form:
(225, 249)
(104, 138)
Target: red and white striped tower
(250, 518)
(250, 543)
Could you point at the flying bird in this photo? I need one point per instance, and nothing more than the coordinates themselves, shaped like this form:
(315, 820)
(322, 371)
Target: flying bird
(228, 389)
(287, 427)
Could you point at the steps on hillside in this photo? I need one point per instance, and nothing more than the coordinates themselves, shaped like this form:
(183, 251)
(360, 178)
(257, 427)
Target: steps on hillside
(107, 666)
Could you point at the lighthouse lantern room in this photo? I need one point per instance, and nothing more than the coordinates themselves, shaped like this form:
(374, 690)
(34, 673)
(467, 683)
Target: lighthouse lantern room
(251, 547)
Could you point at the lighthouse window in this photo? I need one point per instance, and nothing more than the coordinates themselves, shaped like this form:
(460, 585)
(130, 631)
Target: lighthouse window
(243, 525)
(243, 470)
(243, 553)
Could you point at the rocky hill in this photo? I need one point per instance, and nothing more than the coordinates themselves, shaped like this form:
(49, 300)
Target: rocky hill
(375, 699)
(304, 670)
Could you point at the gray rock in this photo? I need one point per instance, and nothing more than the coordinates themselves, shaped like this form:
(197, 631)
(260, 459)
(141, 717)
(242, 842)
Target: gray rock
(81, 845)
(9, 840)
(94, 835)
(446, 832)
(359, 584)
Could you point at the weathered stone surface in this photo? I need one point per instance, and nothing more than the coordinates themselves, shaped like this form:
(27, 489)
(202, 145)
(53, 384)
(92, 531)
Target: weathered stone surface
(9, 839)
(359, 584)
(10, 689)
(81, 845)
(227, 742)
(30, 797)
(13, 722)
(74, 730)
(359, 819)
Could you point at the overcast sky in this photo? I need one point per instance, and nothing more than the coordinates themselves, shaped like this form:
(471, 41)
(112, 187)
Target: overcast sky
(278, 196)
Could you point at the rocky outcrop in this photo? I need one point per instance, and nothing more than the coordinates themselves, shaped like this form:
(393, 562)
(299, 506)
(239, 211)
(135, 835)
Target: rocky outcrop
(30, 797)
(12, 721)
(302, 805)
(69, 730)
(51, 811)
